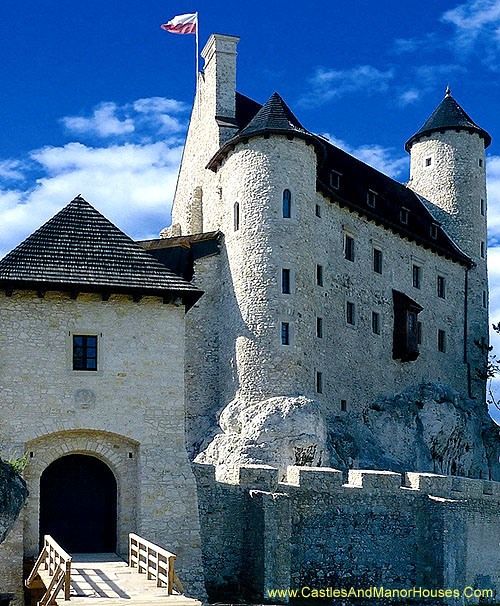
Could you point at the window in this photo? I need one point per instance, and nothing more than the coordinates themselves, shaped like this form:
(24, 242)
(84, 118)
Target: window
(434, 231)
(481, 206)
(318, 210)
(419, 333)
(319, 328)
(485, 299)
(428, 162)
(350, 313)
(375, 323)
(285, 333)
(349, 248)
(483, 250)
(335, 179)
(377, 261)
(319, 275)
(84, 352)
(403, 216)
(417, 275)
(441, 287)
(343, 405)
(319, 382)
(236, 216)
(285, 281)
(287, 204)
(405, 336)
(442, 341)
(480, 162)
(371, 198)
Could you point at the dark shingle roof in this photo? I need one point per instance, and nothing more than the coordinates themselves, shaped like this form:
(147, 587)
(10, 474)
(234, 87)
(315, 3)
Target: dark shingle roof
(448, 115)
(79, 248)
(357, 179)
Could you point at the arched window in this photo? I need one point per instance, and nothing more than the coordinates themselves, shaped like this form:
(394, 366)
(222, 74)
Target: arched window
(236, 216)
(287, 204)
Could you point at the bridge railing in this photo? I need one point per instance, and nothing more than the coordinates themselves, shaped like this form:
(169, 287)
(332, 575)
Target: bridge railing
(156, 562)
(57, 563)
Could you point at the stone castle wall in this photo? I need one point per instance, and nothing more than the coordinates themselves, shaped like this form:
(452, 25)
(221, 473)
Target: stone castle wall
(377, 529)
(130, 414)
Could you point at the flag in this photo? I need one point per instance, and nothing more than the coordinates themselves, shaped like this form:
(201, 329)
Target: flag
(182, 24)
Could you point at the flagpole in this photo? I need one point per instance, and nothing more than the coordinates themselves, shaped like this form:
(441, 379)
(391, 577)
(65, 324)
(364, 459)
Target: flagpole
(197, 68)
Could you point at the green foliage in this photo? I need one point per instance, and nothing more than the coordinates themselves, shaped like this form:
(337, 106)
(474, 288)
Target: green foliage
(16, 466)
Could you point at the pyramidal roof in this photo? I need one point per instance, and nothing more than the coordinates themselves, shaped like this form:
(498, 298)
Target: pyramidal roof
(448, 115)
(274, 116)
(82, 249)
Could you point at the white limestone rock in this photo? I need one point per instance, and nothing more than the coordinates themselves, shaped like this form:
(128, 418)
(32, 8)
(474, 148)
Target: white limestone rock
(279, 431)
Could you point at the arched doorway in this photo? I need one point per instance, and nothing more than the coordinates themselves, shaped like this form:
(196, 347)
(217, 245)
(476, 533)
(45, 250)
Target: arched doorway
(78, 497)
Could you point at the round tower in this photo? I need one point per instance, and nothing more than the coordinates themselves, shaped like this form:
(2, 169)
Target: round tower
(448, 169)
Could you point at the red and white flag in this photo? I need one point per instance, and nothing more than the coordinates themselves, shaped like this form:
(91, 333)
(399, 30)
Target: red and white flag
(182, 24)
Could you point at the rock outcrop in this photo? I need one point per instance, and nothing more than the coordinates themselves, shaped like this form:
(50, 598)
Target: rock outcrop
(13, 493)
(279, 431)
(427, 427)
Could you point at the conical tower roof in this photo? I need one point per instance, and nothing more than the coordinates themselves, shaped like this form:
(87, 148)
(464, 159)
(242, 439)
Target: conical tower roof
(448, 115)
(79, 248)
(274, 116)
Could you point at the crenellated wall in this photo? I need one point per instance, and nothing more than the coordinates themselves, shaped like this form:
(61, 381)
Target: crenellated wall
(374, 528)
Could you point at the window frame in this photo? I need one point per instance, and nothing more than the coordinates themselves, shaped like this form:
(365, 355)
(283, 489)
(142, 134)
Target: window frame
(319, 382)
(441, 341)
(350, 313)
(376, 323)
(286, 271)
(236, 216)
(349, 248)
(319, 327)
(85, 347)
(482, 207)
(320, 276)
(371, 198)
(441, 287)
(288, 202)
(416, 276)
(335, 179)
(285, 333)
(378, 260)
(404, 215)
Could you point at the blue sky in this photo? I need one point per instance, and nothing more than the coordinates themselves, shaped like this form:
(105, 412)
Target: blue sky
(95, 97)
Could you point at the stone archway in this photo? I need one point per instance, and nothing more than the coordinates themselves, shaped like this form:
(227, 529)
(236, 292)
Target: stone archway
(78, 504)
(118, 453)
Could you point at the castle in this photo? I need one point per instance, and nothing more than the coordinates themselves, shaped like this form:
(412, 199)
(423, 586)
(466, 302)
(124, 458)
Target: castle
(314, 287)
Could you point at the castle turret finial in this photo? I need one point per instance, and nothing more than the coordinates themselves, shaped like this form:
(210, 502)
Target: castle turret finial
(448, 91)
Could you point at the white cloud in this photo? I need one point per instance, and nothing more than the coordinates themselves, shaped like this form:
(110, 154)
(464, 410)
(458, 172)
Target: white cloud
(474, 15)
(384, 159)
(329, 84)
(159, 105)
(409, 96)
(11, 170)
(103, 122)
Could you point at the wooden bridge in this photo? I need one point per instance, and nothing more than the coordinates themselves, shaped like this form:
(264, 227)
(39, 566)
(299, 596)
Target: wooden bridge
(105, 579)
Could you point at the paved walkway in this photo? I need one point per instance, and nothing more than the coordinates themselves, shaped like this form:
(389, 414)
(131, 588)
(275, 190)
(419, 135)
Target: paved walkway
(104, 579)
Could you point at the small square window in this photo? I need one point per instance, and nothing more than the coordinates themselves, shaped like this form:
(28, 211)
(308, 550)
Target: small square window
(84, 352)
(335, 179)
(319, 328)
(285, 281)
(483, 250)
(375, 323)
(343, 405)
(377, 261)
(441, 287)
(419, 333)
(319, 382)
(371, 198)
(434, 231)
(285, 333)
(482, 206)
(350, 313)
(417, 275)
(318, 210)
(349, 248)
(441, 341)
(403, 216)
(319, 275)
(428, 162)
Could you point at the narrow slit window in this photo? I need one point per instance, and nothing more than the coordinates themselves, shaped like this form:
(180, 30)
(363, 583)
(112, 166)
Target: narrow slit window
(375, 323)
(403, 216)
(285, 333)
(434, 231)
(343, 405)
(319, 382)
(350, 313)
(441, 341)
(84, 352)
(287, 204)
(480, 163)
(236, 216)
(483, 250)
(318, 210)
(349, 248)
(319, 275)
(485, 299)
(417, 276)
(285, 281)
(377, 261)
(319, 328)
(482, 207)
(441, 287)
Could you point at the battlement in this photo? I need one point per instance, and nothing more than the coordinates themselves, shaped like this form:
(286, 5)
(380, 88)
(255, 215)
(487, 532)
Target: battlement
(329, 480)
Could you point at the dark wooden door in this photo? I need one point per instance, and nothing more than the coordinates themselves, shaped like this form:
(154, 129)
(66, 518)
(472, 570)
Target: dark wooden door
(78, 504)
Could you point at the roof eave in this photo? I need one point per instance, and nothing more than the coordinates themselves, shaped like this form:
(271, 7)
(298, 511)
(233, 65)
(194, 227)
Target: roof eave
(425, 133)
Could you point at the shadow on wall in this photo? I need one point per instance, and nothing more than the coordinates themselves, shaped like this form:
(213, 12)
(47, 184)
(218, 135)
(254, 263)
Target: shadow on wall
(13, 494)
